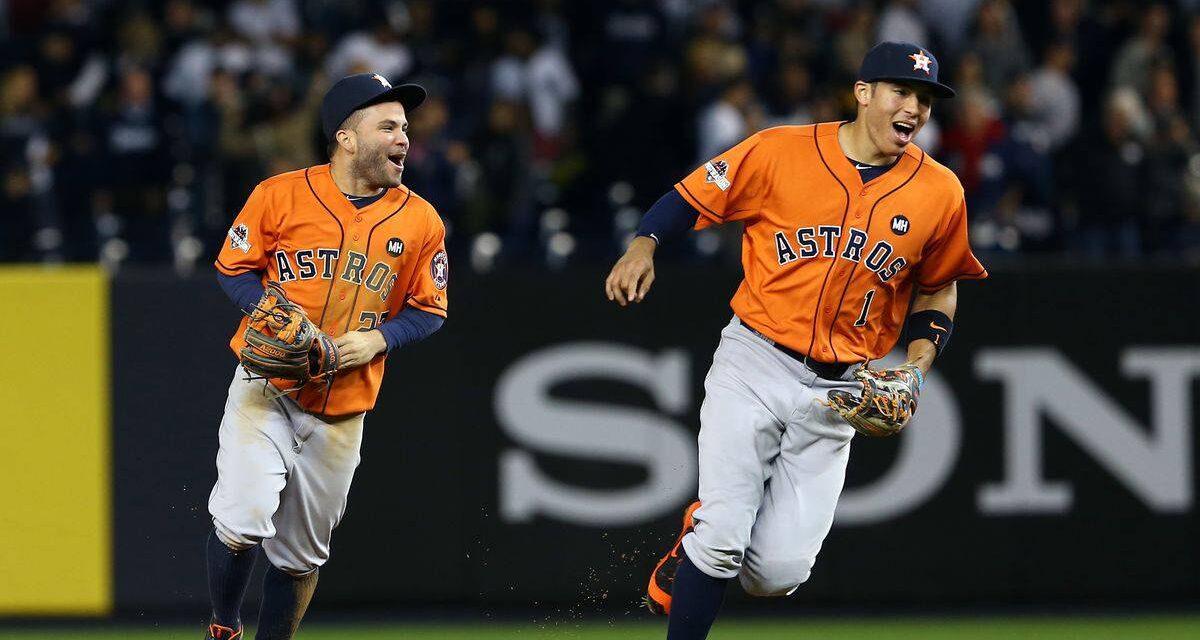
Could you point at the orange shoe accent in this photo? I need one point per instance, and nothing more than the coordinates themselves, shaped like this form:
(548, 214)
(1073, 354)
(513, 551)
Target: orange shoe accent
(218, 632)
(658, 592)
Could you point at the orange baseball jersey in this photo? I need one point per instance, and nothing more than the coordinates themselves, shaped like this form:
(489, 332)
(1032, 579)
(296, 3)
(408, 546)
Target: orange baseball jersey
(830, 263)
(349, 268)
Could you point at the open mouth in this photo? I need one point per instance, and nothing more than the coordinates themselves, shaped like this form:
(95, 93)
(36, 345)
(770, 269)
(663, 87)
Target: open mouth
(904, 131)
(397, 160)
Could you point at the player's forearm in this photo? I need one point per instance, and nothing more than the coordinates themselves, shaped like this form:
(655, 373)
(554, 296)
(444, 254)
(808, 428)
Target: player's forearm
(642, 245)
(922, 351)
(944, 300)
(670, 217)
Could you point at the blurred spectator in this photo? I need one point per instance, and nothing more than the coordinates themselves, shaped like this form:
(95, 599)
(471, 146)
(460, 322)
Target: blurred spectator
(271, 27)
(183, 21)
(998, 43)
(968, 76)
(1109, 182)
(26, 161)
(715, 56)
(950, 21)
(791, 95)
(1144, 50)
(1089, 39)
(852, 43)
(136, 170)
(631, 31)
(139, 43)
(378, 50)
(1054, 100)
(265, 21)
(283, 136)
(899, 22)
(1194, 51)
(1024, 185)
(552, 87)
(733, 116)
(968, 144)
(642, 159)
(539, 76)
(503, 199)
(435, 167)
(1168, 151)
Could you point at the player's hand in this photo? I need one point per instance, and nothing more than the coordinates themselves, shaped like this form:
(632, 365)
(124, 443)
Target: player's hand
(630, 279)
(358, 348)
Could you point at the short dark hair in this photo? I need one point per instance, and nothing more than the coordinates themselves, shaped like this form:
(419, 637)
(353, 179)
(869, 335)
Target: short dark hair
(350, 122)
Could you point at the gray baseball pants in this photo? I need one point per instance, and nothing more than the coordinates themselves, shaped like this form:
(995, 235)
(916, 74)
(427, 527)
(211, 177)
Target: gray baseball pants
(283, 476)
(772, 465)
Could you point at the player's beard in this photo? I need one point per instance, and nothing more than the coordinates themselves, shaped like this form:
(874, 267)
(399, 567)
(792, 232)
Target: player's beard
(376, 168)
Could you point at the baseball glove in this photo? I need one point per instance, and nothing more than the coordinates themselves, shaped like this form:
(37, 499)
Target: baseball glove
(283, 344)
(888, 400)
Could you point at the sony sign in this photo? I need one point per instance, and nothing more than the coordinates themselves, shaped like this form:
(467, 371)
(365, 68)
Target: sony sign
(596, 431)
(1155, 463)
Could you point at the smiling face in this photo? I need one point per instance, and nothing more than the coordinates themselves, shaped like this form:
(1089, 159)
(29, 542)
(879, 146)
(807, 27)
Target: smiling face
(377, 144)
(893, 113)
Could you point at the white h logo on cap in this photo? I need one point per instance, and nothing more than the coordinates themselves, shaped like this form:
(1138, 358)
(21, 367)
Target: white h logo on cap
(382, 80)
(921, 62)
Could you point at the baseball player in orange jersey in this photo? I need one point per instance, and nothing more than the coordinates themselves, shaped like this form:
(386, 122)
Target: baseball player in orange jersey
(850, 230)
(365, 258)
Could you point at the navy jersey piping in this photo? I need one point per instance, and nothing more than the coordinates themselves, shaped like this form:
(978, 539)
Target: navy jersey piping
(870, 216)
(332, 281)
(837, 250)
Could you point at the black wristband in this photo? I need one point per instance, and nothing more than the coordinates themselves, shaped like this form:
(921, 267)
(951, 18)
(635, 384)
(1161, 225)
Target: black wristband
(932, 325)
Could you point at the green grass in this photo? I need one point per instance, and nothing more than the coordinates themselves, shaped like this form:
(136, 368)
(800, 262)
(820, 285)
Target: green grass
(1027, 628)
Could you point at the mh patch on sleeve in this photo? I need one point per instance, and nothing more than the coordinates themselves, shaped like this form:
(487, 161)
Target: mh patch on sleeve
(716, 173)
(239, 238)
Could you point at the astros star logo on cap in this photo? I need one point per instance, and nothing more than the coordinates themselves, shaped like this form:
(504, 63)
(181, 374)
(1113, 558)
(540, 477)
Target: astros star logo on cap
(921, 62)
(382, 80)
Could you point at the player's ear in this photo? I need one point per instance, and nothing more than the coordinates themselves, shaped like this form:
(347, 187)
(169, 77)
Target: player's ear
(346, 140)
(862, 92)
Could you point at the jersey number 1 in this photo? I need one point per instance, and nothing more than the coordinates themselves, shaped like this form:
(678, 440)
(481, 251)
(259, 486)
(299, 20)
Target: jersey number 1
(862, 317)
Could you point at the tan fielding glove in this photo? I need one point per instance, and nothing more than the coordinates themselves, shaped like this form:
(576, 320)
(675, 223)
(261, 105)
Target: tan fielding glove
(887, 402)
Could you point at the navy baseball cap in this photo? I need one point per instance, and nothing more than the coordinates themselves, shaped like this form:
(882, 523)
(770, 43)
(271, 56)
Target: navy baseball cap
(903, 62)
(363, 90)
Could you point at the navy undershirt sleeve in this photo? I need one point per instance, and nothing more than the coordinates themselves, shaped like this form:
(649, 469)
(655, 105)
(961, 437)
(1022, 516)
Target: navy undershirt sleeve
(670, 217)
(244, 289)
(410, 325)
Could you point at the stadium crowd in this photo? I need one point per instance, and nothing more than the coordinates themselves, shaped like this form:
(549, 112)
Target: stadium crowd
(133, 131)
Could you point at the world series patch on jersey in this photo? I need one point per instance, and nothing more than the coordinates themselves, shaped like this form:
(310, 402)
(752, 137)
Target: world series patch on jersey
(349, 269)
(830, 263)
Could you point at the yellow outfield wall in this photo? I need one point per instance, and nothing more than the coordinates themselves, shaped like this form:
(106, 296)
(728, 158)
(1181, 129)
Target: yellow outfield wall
(55, 522)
